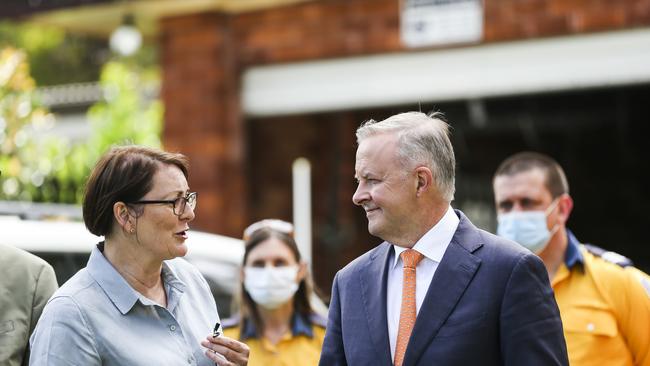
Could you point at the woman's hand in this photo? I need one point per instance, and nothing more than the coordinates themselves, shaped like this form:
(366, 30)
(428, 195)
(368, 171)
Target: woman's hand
(226, 351)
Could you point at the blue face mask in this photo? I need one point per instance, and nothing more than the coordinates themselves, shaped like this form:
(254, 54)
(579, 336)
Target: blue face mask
(528, 228)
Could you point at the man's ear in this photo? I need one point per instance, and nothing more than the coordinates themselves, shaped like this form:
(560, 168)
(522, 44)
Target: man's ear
(424, 178)
(565, 206)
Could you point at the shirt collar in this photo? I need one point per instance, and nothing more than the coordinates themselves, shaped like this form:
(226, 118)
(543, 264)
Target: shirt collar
(572, 255)
(114, 285)
(299, 325)
(118, 290)
(434, 243)
(173, 286)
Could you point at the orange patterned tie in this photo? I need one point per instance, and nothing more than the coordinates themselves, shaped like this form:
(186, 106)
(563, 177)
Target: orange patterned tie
(407, 314)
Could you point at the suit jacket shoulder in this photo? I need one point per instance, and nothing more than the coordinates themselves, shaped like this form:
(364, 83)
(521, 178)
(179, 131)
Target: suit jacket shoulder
(14, 257)
(31, 281)
(362, 260)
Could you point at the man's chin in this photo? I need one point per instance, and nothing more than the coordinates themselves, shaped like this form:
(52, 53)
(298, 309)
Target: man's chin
(374, 229)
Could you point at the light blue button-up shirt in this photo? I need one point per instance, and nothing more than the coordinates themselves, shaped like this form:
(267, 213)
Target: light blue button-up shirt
(97, 318)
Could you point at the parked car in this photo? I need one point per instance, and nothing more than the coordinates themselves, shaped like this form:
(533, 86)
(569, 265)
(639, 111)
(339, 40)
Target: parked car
(66, 245)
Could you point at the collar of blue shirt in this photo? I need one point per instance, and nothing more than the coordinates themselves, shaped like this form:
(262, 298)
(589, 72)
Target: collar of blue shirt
(123, 296)
(572, 255)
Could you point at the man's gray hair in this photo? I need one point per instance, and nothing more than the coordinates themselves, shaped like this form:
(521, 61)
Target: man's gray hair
(423, 140)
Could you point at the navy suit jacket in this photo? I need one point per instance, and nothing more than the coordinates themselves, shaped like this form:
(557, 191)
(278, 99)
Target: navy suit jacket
(489, 303)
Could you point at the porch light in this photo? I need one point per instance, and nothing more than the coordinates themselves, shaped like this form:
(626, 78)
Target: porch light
(126, 39)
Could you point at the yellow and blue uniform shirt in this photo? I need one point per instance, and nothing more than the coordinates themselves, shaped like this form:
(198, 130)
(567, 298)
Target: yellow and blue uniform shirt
(300, 347)
(605, 308)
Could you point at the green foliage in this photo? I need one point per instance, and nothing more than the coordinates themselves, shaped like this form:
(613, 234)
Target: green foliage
(55, 57)
(20, 118)
(127, 116)
(37, 166)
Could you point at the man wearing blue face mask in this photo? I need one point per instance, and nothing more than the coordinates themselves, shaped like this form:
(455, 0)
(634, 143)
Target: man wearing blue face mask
(604, 302)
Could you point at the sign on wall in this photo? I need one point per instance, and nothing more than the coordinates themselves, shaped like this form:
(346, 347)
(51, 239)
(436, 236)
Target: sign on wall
(440, 22)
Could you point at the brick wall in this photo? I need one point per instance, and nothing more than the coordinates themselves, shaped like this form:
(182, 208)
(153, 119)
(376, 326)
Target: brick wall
(517, 19)
(339, 28)
(203, 117)
(315, 30)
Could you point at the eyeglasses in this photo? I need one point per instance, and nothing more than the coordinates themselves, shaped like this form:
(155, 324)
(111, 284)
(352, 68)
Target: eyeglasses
(179, 204)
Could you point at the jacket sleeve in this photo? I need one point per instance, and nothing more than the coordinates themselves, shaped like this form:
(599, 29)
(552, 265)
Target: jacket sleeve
(333, 353)
(531, 328)
(45, 286)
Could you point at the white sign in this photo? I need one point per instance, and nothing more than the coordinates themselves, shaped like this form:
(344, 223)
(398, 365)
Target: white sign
(439, 22)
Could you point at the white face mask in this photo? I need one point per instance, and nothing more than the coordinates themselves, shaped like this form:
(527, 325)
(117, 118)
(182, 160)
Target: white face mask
(528, 228)
(271, 287)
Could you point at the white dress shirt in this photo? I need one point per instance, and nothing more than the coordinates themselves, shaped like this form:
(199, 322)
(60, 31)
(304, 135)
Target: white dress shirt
(433, 246)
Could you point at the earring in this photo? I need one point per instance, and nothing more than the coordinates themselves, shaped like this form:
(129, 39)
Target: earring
(132, 230)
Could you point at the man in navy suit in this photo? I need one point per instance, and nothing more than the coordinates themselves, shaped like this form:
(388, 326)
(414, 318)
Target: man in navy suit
(479, 299)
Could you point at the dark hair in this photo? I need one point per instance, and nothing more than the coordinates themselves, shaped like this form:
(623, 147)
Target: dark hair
(124, 173)
(247, 307)
(554, 177)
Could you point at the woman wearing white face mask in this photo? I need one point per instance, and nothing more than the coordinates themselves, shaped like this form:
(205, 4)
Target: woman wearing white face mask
(276, 319)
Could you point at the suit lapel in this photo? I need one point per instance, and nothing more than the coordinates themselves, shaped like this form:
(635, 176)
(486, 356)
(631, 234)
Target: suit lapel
(453, 275)
(373, 291)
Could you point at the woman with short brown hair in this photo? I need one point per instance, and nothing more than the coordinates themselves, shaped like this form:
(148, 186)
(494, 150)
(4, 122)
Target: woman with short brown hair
(136, 302)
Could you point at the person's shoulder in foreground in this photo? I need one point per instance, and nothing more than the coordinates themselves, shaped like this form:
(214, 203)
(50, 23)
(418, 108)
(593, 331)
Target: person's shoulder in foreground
(27, 283)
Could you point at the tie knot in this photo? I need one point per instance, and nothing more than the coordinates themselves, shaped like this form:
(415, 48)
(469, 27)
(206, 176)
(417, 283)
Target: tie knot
(411, 258)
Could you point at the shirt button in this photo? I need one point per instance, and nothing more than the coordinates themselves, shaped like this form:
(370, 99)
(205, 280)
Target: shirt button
(591, 327)
(189, 360)
(172, 327)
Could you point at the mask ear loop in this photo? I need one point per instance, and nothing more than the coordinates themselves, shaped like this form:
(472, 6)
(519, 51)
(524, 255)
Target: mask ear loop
(552, 206)
(547, 212)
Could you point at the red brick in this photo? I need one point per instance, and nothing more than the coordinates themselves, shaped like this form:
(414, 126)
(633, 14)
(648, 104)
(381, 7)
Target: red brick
(598, 19)
(201, 119)
(639, 13)
(567, 7)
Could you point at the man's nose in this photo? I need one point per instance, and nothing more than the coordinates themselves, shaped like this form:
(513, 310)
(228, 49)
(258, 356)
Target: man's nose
(360, 195)
(517, 206)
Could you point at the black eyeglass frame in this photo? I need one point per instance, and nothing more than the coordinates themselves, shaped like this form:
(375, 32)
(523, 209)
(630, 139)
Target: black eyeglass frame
(189, 198)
